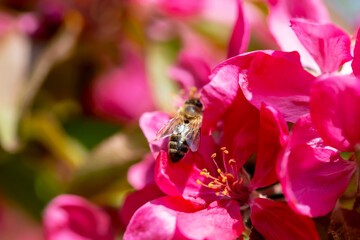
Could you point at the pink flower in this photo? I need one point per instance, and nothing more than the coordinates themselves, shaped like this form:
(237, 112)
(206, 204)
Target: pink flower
(311, 171)
(116, 93)
(312, 174)
(196, 208)
(72, 217)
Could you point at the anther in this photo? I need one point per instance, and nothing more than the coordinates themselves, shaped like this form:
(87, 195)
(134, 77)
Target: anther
(223, 148)
(202, 184)
(213, 155)
(230, 177)
(232, 161)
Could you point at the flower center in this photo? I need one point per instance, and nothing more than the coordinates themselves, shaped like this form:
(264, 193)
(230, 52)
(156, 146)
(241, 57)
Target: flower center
(228, 183)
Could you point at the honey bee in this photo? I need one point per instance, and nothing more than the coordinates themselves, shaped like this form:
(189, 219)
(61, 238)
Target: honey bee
(183, 129)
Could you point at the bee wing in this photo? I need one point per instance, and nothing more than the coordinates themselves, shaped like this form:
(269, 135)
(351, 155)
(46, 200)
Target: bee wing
(168, 128)
(193, 134)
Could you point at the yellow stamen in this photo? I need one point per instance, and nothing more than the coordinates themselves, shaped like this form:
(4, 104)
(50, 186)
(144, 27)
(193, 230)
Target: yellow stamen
(223, 148)
(214, 155)
(202, 184)
(232, 161)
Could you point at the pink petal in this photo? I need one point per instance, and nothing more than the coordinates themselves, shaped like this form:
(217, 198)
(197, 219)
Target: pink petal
(138, 198)
(72, 217)
(273, 135)
(220, 93)
(335, 111)
(281, 11)
(327, 44)
(157, 219)
(312, 174)
(223, 12)
(7, 23)
(356, 62)
(275, 220)
(221, 220)
(181, 7)
(207, 147)
(240, 35)
(190, 71)
(150, 123)
(179, 179)
(240, 130)
(277, 79)
(116, 93)
(142, 173)
(258, 20)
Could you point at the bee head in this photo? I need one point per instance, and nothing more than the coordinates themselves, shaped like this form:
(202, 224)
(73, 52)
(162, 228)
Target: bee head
(194, 101)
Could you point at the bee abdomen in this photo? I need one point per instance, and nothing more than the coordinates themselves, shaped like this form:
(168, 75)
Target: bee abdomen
(177, 148)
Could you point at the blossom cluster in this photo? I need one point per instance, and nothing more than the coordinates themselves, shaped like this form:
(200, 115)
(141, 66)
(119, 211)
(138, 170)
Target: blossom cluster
(293, 114)
(279, 151)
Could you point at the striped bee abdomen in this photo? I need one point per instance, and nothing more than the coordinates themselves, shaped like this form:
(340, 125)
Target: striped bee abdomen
(177, 147)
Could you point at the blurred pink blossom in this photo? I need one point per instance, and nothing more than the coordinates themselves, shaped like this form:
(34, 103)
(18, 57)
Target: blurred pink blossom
(190, 71)
(122, 93)
(188, 8)
(241, 33)
(280, 13)
(26, 23)
(72, 217)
